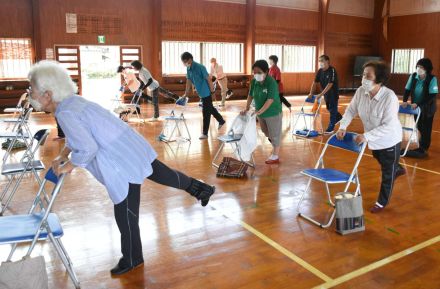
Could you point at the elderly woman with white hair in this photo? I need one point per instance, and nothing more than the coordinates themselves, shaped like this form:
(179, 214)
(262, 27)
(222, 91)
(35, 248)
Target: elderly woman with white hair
(115, 154)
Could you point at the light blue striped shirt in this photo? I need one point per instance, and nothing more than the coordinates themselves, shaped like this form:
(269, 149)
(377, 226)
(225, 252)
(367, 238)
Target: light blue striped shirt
(113, 152)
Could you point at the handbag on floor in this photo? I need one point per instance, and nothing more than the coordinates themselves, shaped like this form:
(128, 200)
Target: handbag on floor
(349, 213)
(232, 168)
(27, 273)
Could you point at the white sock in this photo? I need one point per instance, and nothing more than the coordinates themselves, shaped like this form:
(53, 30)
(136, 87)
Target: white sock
(379, 205)
(273, 157)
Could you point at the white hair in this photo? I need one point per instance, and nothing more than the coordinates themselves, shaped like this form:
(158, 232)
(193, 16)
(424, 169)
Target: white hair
(49, 75)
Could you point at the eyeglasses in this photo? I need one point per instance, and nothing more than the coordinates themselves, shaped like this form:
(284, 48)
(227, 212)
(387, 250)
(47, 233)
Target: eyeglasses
(29, 91)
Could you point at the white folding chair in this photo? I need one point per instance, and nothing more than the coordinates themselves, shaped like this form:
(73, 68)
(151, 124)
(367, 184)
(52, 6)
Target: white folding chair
(330, 176)
(232, 138)
(39, 224)
(16, 171)
(409, 118)
(306, 118)
(19, 133)
(175, 124)
(126, 109)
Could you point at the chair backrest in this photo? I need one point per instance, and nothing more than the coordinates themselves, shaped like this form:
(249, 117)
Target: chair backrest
(43, 200)
(409, 110)
(38, 140)
(312, 99)
(182, 101)
(348, 143)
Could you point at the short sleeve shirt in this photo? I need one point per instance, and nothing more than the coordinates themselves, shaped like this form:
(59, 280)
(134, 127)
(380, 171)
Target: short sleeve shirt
(324, 77)
(261, 92)
(198, 74)
(275, 72)
(418, 90)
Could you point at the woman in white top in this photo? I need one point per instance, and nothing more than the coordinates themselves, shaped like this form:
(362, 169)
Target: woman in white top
(149, 83)
(378, 107)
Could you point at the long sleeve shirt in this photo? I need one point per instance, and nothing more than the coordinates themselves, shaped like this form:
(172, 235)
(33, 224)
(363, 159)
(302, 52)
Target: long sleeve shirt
(108, 148)
(379, 116)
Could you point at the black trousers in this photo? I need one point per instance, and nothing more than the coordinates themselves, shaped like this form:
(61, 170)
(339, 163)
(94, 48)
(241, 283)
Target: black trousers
(389, 162)
(59, 129)
(208, 109)
(127, 212)
(425, 127)
(284, 100)
(331, 102)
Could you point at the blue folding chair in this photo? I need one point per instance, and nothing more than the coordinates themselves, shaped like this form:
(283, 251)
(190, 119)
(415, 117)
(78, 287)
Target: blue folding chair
(171, 129)
(406, 112)
(308, 118)
(330, 176)
(27, 165)
(39, 224)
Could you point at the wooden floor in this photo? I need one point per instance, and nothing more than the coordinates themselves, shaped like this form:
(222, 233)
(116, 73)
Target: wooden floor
(249, 236)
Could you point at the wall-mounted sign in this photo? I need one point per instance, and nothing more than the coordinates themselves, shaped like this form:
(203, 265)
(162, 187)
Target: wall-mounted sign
(71, 23)
(49, 54)
(101, 39)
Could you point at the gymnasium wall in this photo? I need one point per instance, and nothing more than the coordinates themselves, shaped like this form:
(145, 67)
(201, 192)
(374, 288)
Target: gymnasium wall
(16, 18)
(412, 24)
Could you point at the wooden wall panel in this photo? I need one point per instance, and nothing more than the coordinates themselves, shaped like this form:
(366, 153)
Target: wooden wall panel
(135, 17)
(347, 37)
(16, 18)
(412, 31)
(197, 20)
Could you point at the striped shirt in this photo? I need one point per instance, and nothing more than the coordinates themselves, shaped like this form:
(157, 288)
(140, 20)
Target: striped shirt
(108, 148)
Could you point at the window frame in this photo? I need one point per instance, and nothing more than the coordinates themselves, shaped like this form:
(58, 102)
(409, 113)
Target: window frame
(409, 69)
(31, 58)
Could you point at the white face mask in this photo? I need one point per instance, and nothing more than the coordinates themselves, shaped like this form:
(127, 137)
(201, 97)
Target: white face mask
(321, 65)
(420, 71)
(36, 104)
(367, 84)
(259, 77)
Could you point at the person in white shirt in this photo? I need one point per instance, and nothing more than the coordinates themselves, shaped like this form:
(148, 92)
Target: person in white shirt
(221, 78)
(378, 107)
(149, 83)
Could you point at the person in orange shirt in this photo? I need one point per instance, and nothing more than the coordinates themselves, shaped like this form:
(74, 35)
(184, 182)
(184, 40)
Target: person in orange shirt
(275, 72)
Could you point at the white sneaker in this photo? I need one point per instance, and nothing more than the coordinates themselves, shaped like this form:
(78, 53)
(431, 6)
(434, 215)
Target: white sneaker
(203, 136)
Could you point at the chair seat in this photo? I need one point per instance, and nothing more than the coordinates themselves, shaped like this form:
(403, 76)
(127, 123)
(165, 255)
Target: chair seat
(22, 228)
(11, 119)
(230, 138)
(174, 117)
(327, 175)
(12, 110)
(12, 134)
(9, 169)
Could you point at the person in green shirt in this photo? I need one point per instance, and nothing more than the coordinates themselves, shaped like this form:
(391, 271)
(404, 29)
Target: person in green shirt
(264, 92)
(422, 86)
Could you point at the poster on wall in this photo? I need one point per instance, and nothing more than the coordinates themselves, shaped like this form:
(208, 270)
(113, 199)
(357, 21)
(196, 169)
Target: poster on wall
(71, 23)
(49, 54)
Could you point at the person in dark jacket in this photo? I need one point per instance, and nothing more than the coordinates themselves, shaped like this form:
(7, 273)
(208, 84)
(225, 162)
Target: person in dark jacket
(422, 88)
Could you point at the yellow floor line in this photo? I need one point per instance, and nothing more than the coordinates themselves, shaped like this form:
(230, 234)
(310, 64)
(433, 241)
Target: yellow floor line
(402, 163)
(380, 263)
(277, 246)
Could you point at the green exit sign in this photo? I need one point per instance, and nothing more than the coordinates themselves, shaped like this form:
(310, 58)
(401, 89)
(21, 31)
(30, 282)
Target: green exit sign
(101, 39)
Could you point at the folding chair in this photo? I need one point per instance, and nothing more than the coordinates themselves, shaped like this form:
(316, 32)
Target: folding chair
(172, 127)
(39, 224)
(330, 176)
(18, 115)
(308, 118)
(21, 105)
(27, 164)
(126, 109)
(232, 138)
(409, 118)
(20, 132)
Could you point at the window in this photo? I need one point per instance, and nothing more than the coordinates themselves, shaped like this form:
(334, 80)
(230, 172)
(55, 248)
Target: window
(15, 57)
(291, 58)
(404, 60)
(230, 55)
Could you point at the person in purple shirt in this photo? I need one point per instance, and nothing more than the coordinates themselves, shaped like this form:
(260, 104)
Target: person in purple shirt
(114, 153)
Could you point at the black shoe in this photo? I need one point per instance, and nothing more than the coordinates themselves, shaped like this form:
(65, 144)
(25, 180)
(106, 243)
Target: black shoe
(122, 268)
(201, 191)
(400, 171)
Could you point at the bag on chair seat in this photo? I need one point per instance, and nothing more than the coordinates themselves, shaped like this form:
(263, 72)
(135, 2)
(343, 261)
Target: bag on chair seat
(349, 213)
(28, 273)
